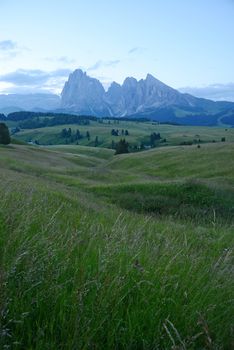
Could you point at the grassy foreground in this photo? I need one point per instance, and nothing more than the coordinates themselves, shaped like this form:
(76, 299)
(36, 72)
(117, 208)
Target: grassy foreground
(116, 252)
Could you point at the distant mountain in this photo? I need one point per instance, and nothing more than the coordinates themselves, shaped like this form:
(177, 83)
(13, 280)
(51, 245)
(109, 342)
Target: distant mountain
(84, 95)
(30, 102)
(138, 96)
(144, 98)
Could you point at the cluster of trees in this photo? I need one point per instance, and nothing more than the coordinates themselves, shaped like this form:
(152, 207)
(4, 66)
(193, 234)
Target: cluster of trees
(150, 141)
(23, 115)
(40, 122)
(154, 137)
(198, 142)
(116, 120)
(118, 132)
(122, 147)
(32, 120)
(71, 136)
(5, 138)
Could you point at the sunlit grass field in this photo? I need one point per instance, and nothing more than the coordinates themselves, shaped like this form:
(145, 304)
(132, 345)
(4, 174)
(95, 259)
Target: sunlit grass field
(133, 251)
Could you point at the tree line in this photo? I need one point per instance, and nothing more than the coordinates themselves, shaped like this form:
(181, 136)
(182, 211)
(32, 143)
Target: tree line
(71, 136)
(74, 136)
(117, 132)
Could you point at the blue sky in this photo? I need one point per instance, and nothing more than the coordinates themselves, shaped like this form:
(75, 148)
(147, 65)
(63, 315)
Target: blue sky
(187, 44)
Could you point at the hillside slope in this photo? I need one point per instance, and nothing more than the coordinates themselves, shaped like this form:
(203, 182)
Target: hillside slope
(99, 251)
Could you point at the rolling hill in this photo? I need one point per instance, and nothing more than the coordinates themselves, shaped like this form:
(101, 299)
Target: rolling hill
(130, 251)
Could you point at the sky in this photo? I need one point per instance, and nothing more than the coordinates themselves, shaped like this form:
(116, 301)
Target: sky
(187, 44)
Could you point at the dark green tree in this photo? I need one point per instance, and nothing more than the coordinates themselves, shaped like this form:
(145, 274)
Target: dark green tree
(78, 135)
(69, 132)
(5, 138)
(113, 144)
(153, 138)
(64, 133)
(122, 147)
(96, 141)
(114, 132)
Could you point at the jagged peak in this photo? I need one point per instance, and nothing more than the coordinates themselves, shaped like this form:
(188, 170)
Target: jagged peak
(78, 72)
(114, 85)
(150, 77)
(130, 81)
(132, 96)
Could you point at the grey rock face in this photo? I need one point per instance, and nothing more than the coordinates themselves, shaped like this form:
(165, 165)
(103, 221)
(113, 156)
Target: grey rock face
(137, 96)
(83, 94)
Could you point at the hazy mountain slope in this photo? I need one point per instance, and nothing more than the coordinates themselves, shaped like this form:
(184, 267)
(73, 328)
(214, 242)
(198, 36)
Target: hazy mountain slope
(16, 102)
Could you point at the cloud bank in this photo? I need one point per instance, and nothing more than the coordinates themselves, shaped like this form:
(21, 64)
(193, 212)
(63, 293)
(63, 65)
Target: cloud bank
(10, 49)
(33, 80)
(216, 92)
(8, 45)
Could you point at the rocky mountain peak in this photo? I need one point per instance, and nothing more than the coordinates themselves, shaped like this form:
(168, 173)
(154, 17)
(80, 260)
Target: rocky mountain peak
(130, 82)
(114, 86)
(84, 94)
(78, 73)
(150, 77)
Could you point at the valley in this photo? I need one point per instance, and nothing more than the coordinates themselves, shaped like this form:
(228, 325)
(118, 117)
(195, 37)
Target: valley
(138, 133)
(117, 251)
(116, 175)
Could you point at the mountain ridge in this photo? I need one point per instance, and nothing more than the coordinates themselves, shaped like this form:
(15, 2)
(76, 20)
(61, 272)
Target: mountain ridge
(87, 95)
(145, 98)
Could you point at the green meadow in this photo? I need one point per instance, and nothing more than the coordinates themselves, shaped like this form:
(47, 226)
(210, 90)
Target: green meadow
(139, 132)
(104, 251)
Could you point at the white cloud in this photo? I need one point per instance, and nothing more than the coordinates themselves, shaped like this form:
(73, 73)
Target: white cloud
(61, 59)
(136, 49)
(100, 64)
(216, 92)
(10, 49)
(33, 80)
(8, 45)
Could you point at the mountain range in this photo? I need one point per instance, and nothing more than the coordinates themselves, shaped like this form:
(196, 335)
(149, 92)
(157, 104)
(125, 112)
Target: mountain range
(146, 98)
(84, 94)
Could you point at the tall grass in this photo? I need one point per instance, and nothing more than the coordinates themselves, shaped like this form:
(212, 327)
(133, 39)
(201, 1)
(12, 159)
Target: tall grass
(79, 276)
(186, 200)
